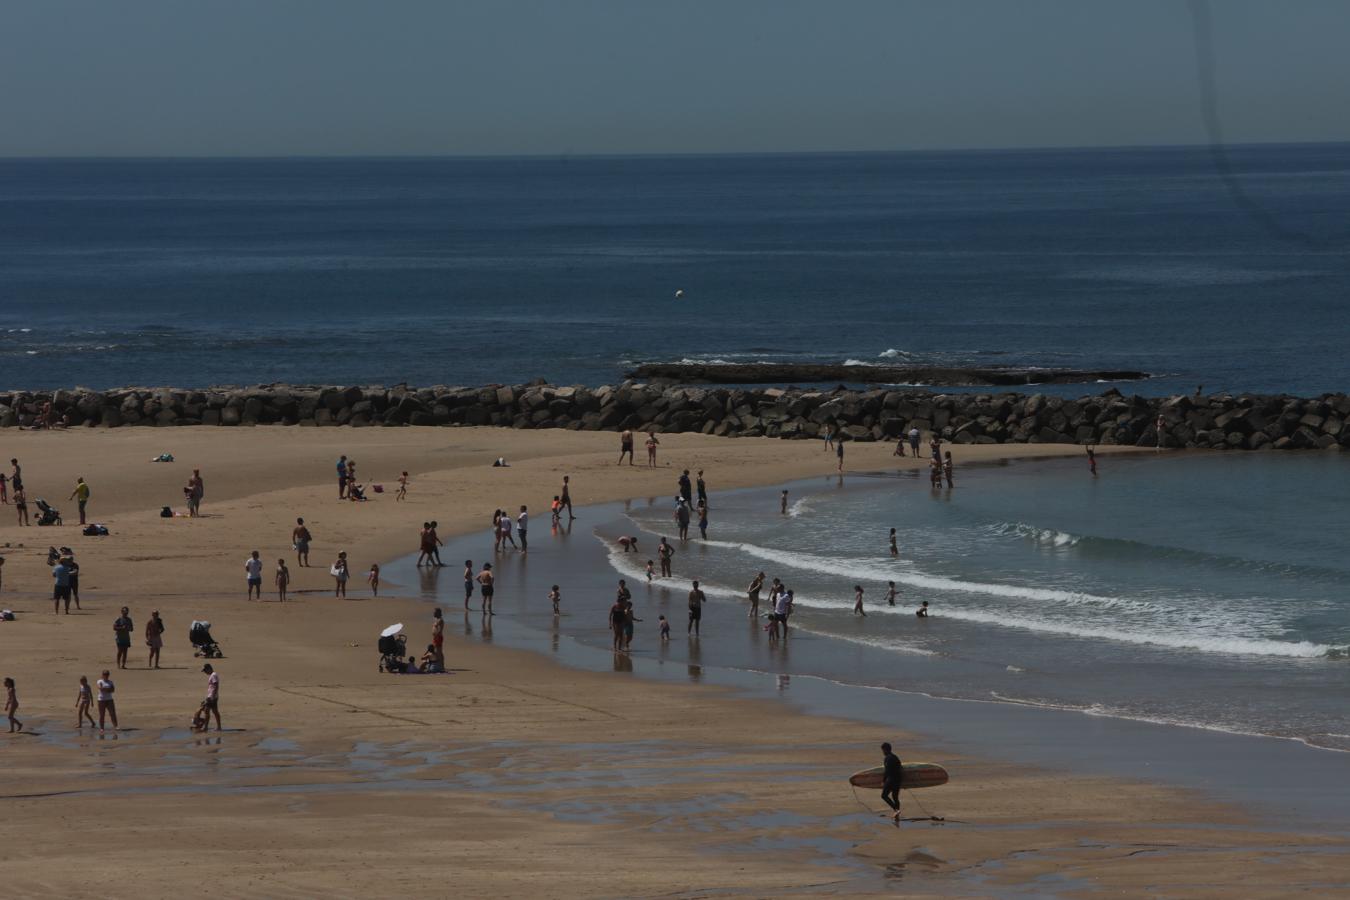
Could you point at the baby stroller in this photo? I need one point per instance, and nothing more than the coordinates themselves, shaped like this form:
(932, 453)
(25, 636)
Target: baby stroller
(47, 514)
(393, 652)
(200, 635)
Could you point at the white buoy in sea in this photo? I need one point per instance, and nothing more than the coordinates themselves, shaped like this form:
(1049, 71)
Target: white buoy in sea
(679, 294)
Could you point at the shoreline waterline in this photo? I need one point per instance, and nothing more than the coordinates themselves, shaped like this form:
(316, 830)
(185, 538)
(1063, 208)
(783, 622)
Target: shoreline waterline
(1094, 741)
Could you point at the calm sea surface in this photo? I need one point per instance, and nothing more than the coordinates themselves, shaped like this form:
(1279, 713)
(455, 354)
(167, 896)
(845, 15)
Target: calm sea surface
(465, 271)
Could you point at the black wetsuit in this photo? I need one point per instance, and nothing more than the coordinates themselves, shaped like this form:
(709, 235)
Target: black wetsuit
(890, 784)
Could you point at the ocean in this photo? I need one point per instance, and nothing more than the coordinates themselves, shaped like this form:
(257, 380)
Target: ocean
(469, 271)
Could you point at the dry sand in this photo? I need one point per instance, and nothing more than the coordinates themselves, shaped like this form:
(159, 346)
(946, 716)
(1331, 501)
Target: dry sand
(513, 776)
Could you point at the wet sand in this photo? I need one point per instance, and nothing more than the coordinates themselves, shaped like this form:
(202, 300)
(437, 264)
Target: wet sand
(514, 775)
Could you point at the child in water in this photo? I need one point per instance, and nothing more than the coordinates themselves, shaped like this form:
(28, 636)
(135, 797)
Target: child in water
(651, 570)
(665, 629)
(555, 596)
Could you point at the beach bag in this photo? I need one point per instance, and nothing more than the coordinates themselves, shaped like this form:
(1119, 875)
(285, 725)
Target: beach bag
(165, 512)
(95, 530)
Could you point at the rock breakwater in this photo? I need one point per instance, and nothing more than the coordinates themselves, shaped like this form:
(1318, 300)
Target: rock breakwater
(1219, 421)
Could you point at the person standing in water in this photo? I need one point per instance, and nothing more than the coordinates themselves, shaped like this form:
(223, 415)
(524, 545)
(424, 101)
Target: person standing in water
(664, 552)
(468, 583)
(283, 580)
(1161, 428)
(892, 778)
(890, 593)
(756, 585)
(522, 526)
(947, 467)
(703, 519)
(895, 551)
(696, 601)
(486, 585)
(701, 487)
(782, 503)
(1092, 459)
(566, 497)
(12, 706)
(212, 701)
(839, 452)
(857, 601)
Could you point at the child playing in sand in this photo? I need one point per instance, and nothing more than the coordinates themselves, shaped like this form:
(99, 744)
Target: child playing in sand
(83, 700)
(555, 597)
(283, 580)
(651, 570)
(665, 629)
(402, 487)
(12, 706)
(373, 576)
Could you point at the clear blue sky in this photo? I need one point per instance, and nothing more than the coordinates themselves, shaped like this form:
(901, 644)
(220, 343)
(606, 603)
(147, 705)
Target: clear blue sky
(339, 77)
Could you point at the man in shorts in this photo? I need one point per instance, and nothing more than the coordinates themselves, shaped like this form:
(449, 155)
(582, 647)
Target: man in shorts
(486, 586)
(122, 627)
(626, 446)
(300, 539)
(696, 601)
(212, 701)
(253, 573)
(342, 476)
(60, 586)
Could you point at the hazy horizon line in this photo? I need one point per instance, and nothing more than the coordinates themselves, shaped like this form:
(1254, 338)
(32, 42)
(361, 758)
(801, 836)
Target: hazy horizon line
(1030, 148)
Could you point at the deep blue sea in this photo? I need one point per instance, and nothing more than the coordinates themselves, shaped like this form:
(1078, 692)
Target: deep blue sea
(463, 271)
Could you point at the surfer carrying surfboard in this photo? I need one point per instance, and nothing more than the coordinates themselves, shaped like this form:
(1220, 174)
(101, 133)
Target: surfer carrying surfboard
(891, 778)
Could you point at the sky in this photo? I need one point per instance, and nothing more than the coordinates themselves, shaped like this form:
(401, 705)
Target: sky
(444, 77)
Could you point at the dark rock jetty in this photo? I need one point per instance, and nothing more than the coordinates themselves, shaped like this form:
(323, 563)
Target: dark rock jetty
(1219, 421)
(812, 373)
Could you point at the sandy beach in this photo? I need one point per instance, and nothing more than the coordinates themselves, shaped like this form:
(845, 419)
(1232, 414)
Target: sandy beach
(513, 775)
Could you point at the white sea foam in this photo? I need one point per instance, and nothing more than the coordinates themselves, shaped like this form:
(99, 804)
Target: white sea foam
(1044, 536)
(800, 507)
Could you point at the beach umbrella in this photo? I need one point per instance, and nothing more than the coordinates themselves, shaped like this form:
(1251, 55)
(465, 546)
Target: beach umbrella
(392, 630)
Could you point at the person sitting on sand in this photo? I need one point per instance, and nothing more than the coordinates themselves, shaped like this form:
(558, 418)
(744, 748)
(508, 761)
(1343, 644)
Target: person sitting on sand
(433, 661)
(410, 667)
(629, 543)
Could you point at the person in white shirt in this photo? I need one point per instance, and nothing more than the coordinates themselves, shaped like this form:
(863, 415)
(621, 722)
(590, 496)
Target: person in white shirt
(522, 523)
(253, 571)
(106, 705)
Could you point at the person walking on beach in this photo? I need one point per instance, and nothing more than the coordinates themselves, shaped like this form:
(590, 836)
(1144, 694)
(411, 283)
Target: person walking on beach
(566, 497)
(652, 444)
(122, 628)
(73, 568)
(629, 618)
(696, 601)
(857, 601)
(80, 495)
(300, 539)
(282, 580)
(703, 519)
(424, 545)
(782, 503)
(212, 701)
(340, 573)
(752, 591)
(373, 579)
(437, 629)
(914, 442)
(899, 447)
(4, 488)
(342, 476)
(1161, 428)
(947, 467)
(686, 487)
(12, 706)
(436, 545)
(890, 593)
(895, 551)
(1092, 459)
(651, 571)
(107, 707)
(402, 487)
(253, 574)
(468, 583)
(504, 528)
(485, 582)
(626, 446)
(16, 474)
(60, 586)
(154, 639)
(839, 452)
(829, 438)
(522, 523)
(892, 779)
(701, 487)
(664, 552)
(21, 504)
(83, 700)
